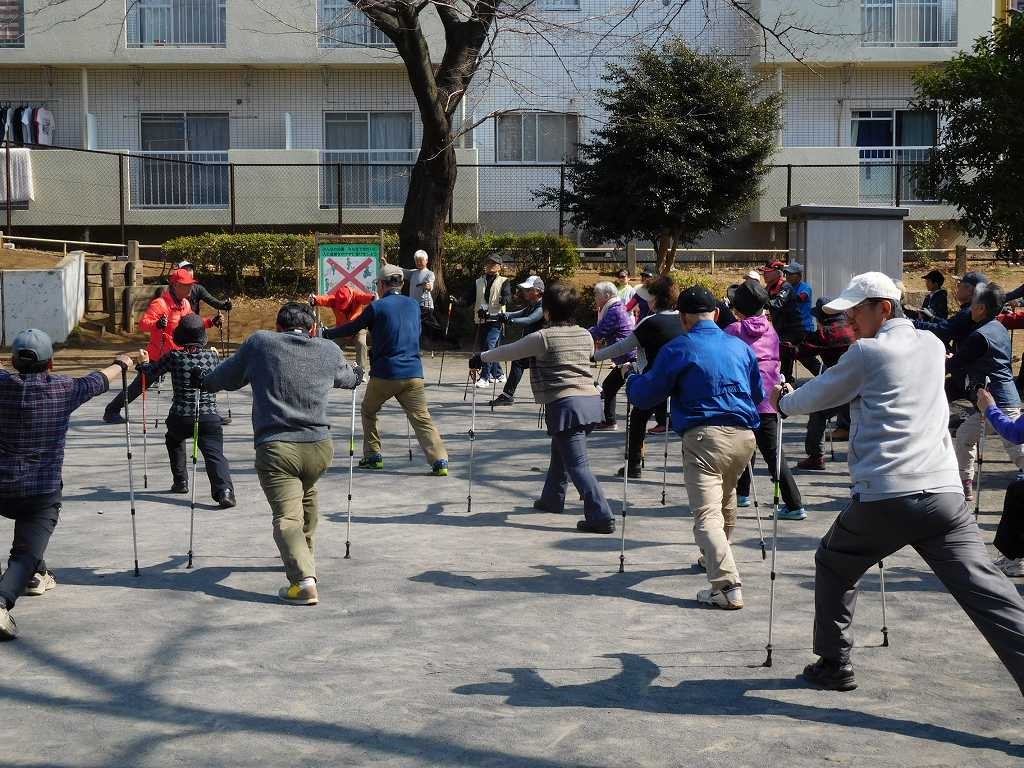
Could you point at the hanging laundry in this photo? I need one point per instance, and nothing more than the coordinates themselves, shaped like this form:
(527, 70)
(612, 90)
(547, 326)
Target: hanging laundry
(22, 190)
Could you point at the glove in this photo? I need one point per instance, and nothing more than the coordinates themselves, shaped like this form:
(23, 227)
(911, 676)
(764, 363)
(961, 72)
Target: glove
(312, 300)
(360, 374)
(195, 378)
(218, 321)
(501, 317)
(162, 322)
(475, 363)
(228, 305)
(482, 314)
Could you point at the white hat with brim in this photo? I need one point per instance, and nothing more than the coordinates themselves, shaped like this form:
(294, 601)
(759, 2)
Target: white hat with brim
(870, 285)
(533, 281)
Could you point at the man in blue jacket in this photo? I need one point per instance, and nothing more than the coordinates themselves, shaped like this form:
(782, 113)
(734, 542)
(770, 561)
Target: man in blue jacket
(715, 386)
(396, 370)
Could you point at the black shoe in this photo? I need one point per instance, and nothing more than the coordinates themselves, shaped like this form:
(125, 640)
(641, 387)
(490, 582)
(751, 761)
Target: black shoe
(179, 488)
(830, 675)
(500, 400)
(605, 526)
(225, 498)
(539, 505)
(635, 473)
(225, 420)
(113, 418)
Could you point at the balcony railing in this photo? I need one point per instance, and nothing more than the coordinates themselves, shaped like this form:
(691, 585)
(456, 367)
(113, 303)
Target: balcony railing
(179, 180)
(177, 23)
(373, 178)
(890, 174)
(12, 24)
(892, 23)
(341, 26)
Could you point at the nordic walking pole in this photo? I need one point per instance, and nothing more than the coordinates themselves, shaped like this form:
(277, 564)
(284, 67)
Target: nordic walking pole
(408, 438)
(472, 445)
(145, 436)
(447, 325)
(351, 460)
(625, 498)
(227, 394)
(597, 378)
(885, 624)
(664, 466)
(131, 480)
(757, 509)
(775, 533)
(831, 443)
(469, 376)
(159, 383)
(981, 459)
(195, 460)
(494, 384)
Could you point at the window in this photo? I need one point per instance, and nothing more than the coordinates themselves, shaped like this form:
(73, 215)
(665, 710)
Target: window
(12, 24)
(185, 161)
(909, 22)
(895, 145)
(184, 23)
(537, 137)
(342, 26)
(375, 153)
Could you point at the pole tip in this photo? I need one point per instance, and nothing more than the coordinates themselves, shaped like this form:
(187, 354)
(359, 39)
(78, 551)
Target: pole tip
(348, 555)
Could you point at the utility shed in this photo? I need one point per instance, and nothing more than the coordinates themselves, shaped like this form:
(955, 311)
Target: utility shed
(836, 242)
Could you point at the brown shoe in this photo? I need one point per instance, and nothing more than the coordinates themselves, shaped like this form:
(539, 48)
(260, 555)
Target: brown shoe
(299, 595)
(816, 463)
(840, 434)
(606, 426)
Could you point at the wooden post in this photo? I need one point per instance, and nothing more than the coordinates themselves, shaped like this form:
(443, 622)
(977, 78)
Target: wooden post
(129, 274)
(127, 315)
(133, 250)
(107, 287)
(712, 262)
(631, 257)
(961, 260)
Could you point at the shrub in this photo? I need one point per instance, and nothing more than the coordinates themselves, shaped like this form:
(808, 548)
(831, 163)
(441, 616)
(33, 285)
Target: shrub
(686, 279)
(279, 262)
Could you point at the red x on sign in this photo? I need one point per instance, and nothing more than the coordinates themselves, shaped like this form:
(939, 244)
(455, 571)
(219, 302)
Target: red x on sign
(353, 276)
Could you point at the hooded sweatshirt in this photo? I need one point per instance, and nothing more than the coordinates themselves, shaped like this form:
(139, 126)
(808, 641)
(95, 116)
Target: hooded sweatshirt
(759, 334)
(346, 303)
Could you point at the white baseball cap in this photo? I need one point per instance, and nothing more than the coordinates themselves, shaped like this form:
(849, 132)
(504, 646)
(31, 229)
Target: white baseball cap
(754, 275)
(533, 281)
(869, 285)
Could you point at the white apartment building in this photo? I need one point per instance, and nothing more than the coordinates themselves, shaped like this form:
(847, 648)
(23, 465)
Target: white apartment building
(271, 100)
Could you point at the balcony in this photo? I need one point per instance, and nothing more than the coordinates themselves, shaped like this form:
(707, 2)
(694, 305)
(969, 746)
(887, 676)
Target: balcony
(342, 26)
(12, 24)
(913, 23)
(179, 180)
(894, 176)
(370, 178)
(177, 24)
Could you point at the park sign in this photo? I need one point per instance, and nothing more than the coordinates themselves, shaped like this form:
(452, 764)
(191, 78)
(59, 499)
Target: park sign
(347, 262)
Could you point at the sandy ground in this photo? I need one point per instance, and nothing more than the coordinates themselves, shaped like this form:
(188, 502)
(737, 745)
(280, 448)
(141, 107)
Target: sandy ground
(26, 258)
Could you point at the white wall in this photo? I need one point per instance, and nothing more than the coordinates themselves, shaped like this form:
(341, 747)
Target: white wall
(52, 300)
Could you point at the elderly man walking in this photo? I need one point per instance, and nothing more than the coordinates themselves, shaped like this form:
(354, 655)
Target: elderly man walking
(906, 488)
(715, 386)
(291, 374)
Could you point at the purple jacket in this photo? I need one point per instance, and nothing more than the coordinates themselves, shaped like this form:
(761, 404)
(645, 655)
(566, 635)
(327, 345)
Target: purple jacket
(615, 325)
(760, 335)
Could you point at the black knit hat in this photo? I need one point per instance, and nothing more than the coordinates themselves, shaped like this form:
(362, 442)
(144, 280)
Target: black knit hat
(696, 300)
(190, 332)
(750, 297)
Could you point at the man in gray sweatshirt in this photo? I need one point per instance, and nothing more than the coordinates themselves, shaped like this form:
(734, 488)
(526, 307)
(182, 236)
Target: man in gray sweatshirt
(906, 486)
(291, 375)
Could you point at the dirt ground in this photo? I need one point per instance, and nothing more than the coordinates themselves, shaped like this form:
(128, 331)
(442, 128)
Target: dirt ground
(26, 258)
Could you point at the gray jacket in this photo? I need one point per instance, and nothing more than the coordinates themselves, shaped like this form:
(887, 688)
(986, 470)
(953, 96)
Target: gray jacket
(899, 430)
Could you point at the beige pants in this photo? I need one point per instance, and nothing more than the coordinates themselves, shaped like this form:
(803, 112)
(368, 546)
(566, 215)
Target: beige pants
(713, 460)
(362, 350)
(966, 443)
(411, 395)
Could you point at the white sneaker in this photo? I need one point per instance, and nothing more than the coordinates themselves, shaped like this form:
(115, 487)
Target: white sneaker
(41, 582)
(730, 598)
(501, 379)
(1013, 567)
(999, 562)
(8, 629)
(483, 383)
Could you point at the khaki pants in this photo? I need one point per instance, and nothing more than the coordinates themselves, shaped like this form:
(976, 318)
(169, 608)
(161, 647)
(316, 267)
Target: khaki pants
(288, 473)
(362, 350)
(966, 443)
(411, 395)
(713, 460)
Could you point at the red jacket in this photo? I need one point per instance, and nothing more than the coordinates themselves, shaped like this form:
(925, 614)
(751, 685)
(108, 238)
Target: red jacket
(1012, 320)
(346, 303)
(161, 340)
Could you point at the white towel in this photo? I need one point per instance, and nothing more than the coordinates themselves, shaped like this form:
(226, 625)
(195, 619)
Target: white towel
(22, 190)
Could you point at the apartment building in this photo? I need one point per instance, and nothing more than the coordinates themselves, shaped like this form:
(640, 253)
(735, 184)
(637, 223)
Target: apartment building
(269, 114)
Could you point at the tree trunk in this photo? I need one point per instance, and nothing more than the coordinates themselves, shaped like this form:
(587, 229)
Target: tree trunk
(665, 250)
(426, 208)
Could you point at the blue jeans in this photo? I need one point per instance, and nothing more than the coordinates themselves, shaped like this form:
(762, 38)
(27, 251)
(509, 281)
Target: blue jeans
(492, 333)
(569, 462)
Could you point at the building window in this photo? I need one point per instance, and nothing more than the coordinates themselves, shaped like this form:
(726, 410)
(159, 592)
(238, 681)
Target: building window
(894, 147)
(12, 24)
(177, 23)
(909, 22)
(184, 163)
(537, 137)
(342, 26)
(375, 153)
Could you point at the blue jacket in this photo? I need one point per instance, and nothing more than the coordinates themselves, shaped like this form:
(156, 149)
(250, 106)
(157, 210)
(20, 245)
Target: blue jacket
(394, 323)
(955, 329)
(712, 377)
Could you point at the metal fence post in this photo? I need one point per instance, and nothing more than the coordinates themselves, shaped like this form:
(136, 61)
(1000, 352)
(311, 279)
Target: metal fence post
(561, 200)
(337, 193)
(7, 183)
(789, 185)
(120, 206)
(897, 183)
(231, 197)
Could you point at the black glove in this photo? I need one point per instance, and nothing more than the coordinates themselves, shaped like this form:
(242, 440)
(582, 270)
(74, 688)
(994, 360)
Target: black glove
(360, 374)
(195, 378)
(475, 363)
(218, 321)
(162, 322)
(228, 305)
(482, 314)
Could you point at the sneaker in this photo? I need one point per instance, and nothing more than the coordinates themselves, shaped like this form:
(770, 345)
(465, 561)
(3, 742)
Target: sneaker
(501, 400)
(1013, 568)
(438, 469)
(830, 675)
(113, 418)
(41, 582)
(606, 426)
(8, 629)
(658, 429)
(225, 499)
(1000, 561)
(841, 435)
(179, 488)
(296, 594)
(742, 501)
(501, 379)
(635, 473)
(376, 461)
(812, 463)
(730, 598)
(483, 383)
(604, 526)
(225, 420)
(785, 513)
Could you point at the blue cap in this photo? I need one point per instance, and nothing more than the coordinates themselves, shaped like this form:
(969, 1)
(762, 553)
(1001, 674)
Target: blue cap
(32, 345)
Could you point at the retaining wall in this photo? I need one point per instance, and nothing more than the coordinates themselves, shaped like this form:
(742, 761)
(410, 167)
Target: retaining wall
(52, 300)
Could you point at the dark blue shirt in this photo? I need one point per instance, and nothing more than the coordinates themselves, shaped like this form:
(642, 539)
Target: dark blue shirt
(712, 377)
(35, 410)
(394, 323)
(954, 330)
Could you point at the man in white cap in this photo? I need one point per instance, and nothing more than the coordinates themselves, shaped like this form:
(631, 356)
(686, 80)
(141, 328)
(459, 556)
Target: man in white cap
(35, 412)
(906, 486)
(529, 318)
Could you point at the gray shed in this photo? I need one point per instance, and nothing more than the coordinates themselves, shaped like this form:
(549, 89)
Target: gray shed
(836, 242)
